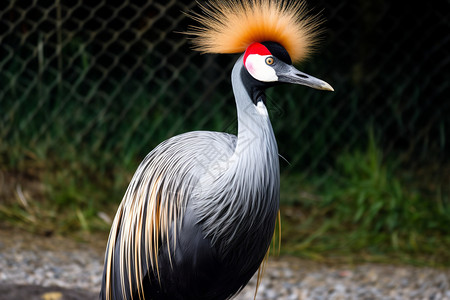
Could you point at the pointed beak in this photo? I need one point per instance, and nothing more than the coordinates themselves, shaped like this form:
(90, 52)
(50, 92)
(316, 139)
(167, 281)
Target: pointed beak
(290, 74)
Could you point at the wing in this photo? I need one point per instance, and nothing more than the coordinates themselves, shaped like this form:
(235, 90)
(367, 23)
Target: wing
(153, 204)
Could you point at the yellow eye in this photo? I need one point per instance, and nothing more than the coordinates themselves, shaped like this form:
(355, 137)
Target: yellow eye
(269, 60)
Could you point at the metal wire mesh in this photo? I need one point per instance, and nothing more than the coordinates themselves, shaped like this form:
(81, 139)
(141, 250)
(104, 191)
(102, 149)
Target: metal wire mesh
(115, 78)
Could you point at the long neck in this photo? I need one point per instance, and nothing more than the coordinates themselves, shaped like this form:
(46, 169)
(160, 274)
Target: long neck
(254, 129)
(243, 199)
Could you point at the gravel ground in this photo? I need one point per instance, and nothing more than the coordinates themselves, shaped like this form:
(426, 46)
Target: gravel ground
(57, 268)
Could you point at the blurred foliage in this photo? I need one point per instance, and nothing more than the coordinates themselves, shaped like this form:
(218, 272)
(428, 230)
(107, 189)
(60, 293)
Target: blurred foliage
(369, 207)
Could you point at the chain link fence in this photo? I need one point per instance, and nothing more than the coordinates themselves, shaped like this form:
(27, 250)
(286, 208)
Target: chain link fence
(106, 81)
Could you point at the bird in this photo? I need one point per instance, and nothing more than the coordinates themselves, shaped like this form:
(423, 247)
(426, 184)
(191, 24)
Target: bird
(199, 214)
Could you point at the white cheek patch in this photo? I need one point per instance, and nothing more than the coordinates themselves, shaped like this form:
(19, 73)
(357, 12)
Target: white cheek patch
(257, 67)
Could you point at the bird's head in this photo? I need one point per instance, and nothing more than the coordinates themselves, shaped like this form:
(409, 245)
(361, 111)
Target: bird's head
(273, 34)
(269, 63)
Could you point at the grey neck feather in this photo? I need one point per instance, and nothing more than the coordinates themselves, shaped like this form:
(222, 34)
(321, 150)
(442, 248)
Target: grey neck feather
(240, 195)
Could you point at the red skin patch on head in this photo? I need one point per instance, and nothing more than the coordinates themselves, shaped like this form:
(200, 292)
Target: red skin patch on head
(256, 48)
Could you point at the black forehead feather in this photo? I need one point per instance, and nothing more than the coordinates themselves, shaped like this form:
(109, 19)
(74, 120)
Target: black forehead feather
(278, 51)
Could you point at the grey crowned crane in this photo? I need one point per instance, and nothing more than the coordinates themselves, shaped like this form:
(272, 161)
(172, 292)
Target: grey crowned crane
(199, 214)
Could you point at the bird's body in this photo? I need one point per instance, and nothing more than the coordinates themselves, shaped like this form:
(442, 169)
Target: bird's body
(199, 214)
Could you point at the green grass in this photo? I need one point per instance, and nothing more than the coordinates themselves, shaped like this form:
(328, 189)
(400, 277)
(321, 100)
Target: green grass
(368, 210)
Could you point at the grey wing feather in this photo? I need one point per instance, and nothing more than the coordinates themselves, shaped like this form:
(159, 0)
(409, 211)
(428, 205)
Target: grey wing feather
(154, 203)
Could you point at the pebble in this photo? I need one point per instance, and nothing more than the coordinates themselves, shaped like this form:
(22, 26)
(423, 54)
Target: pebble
(365, 281)
(286, 278)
